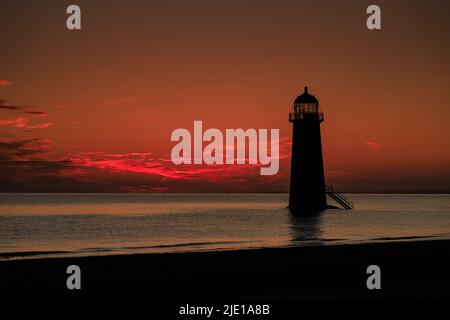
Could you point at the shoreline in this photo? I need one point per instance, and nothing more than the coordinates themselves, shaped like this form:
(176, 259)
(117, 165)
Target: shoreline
(409, 270)
(147, 250)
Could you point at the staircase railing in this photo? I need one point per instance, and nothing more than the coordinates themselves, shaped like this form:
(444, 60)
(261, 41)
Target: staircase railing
(339, 197)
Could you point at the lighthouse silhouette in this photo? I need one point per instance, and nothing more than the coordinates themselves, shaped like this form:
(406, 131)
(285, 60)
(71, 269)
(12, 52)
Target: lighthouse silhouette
(307, 192)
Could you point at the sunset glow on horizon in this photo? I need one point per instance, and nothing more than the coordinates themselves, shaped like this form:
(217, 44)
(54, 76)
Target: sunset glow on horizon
(93, 110)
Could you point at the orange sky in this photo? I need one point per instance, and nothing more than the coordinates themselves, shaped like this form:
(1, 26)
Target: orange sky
(94, 110)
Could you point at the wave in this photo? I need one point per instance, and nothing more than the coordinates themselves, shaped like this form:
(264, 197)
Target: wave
(30, 254)
(409, 237)
(200, 246)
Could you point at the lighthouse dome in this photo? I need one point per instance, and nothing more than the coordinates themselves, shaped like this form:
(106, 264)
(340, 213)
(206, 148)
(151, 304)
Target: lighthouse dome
(305, 97)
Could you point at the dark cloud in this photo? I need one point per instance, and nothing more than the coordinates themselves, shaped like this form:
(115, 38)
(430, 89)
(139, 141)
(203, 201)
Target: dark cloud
(38, 113)
(43, 164)
(6, 105)
(9, 107)
(25, 116)
(22, 149)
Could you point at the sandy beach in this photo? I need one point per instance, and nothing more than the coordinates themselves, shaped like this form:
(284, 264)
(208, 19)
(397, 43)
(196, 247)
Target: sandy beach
(409, 270)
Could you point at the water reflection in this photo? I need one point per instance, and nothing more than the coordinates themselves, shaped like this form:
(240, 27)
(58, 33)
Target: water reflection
(305, 228)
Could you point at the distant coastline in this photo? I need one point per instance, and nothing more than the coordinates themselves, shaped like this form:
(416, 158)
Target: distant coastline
(269, 192)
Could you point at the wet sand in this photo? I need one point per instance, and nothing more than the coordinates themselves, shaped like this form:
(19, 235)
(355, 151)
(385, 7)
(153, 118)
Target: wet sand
(409, 270)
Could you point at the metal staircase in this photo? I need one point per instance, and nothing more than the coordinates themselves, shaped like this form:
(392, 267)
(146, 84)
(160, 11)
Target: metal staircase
(339, 198)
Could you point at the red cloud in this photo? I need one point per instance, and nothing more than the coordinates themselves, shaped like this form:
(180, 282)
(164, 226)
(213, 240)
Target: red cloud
(39, 126)
(5, 83)
(144, 163)
(374, 144)
(25, 115)
(37, 113)
(29, 160)
(19, 122)
(23, 123)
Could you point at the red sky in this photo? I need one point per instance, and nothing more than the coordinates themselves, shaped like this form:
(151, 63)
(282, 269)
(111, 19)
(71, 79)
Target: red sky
(93, 110)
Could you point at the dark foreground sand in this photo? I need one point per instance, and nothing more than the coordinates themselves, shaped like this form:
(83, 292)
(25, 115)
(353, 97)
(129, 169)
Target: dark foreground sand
(416, 269)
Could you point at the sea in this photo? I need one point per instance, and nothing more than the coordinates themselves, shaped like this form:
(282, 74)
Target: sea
(55, 225)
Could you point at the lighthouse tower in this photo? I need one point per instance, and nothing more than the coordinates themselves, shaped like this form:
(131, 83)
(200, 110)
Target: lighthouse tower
(307, 191)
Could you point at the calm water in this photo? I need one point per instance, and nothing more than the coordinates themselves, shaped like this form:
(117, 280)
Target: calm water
(80, 224)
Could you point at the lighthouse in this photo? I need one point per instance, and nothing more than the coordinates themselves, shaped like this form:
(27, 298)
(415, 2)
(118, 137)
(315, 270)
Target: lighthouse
(307, 192)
